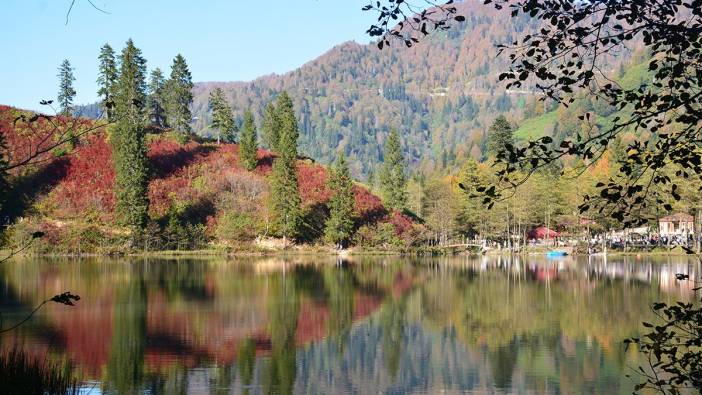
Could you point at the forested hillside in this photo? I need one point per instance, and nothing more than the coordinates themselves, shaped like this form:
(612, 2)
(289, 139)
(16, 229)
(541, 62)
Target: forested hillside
(442, 94)
(199, 194)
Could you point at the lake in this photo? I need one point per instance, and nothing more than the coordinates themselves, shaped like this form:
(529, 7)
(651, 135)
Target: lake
(476, 325)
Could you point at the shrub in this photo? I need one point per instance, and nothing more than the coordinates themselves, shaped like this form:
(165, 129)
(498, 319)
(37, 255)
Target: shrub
(234, 226)
(22, 374)
(178, 235)
(382, 235)
(61, 238)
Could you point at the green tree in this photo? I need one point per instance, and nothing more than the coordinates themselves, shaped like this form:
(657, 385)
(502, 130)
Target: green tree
(270, 127)
(499, 136)
(288, 131)
(180, 96)
(128, 140)
(285, 195)
(107, 80)
(471, 213)
(392, 174)
(156, 99)
(222, 118)
(440, 209)
(247, 145)
(66, 92)
(285, 198)
(339, 227)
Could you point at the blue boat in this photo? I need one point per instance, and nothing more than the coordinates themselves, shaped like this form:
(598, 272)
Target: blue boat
(553, 254)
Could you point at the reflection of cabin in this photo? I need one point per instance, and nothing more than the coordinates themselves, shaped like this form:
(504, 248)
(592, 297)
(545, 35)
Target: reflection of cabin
(676, 224)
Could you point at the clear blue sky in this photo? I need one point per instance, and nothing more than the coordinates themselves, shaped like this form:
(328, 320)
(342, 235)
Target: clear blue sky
(222, 40)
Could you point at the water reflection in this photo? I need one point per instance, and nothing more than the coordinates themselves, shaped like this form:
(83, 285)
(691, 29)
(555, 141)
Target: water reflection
(494, 325)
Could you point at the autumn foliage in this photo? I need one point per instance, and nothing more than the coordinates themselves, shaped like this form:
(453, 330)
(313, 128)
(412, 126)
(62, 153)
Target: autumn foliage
(201, 180)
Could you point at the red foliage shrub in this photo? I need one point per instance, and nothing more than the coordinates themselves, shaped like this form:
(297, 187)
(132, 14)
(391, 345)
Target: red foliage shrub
(89, 180)
(30, 136)
(312, 183)
(369, 208)
(265, 162)
(403, 224)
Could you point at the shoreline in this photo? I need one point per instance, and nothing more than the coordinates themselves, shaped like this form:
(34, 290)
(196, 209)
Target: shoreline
(302, 251)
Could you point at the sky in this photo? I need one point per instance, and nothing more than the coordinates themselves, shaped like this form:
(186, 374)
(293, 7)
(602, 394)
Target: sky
(234, 40)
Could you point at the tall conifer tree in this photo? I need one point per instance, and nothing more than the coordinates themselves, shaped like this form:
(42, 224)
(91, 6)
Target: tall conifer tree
(270, 128)
(393, 181)
(222, 117)
(287, 124)
(180, 96)
(156, 99)
(128, 140)
(285, 195)
(66, 92)
(339, 227)
(107, 80)
(247, 145)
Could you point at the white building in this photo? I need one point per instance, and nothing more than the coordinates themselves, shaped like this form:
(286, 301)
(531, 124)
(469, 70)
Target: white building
(679, 224)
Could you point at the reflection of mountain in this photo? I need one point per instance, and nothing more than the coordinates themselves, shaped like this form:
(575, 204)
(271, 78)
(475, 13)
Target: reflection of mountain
(458, 325)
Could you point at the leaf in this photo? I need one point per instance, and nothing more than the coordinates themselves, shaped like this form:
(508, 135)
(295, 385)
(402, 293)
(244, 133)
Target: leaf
(65, 298)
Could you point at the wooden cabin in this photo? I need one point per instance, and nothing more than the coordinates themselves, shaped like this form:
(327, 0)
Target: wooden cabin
(679, 224)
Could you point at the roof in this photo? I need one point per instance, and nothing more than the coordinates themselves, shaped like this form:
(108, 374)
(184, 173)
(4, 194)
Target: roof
(542, 232)
(677, 217)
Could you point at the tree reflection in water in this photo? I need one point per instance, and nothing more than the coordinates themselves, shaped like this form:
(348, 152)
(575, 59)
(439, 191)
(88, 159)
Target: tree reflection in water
(390, 325)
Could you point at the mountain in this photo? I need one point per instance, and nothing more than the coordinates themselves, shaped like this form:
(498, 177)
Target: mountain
(441, 94)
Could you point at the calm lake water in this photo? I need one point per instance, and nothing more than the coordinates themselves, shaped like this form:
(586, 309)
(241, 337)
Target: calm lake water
(363, 326)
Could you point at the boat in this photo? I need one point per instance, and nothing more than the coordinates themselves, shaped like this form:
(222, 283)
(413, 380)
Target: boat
(555, 253)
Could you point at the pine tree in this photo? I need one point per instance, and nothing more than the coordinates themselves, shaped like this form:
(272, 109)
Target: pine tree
(392, 175)
(270, 127)
(128, 140)
(222, 117)
(66, 92)
(285, 195)
(247, 145)
(156, 98)
(107, 79)
(285, 198)
(499, 136)
(287, 123)
(339, 227)
(180, 96)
